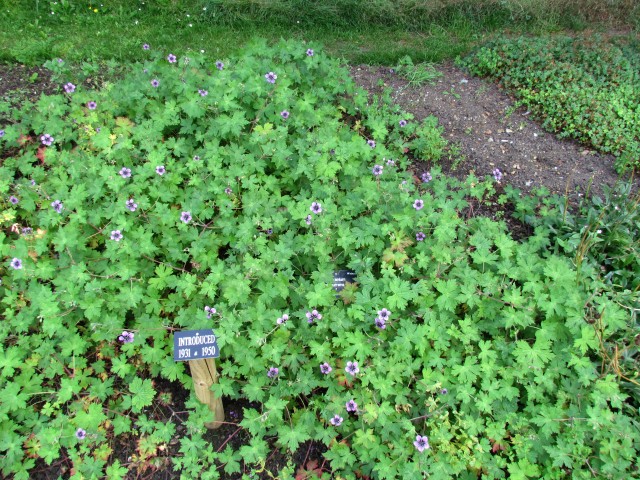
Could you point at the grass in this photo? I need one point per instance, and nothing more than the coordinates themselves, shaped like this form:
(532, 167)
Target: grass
(374, 32)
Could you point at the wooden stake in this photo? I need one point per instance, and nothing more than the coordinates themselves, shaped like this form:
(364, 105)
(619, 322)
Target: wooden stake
(204, 375)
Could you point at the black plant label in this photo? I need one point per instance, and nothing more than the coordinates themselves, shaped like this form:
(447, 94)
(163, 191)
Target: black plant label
(194, 345)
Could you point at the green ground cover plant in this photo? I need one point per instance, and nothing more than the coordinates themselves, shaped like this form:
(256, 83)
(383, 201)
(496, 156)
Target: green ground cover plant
(224, 195)
(579, 87)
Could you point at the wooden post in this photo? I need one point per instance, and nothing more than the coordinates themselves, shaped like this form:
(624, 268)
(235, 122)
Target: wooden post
(204, 375)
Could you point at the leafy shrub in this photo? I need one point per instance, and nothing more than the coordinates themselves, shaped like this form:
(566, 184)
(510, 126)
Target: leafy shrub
(244, 187)
(582, 89)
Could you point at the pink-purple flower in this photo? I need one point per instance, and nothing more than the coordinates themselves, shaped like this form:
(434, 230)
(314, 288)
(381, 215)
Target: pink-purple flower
(377, 170)
(284, 114)
(126, 337)
(146, 46)
(308, 220)
(92, 105)
(351, 406)
(203, 92)
(172, 58)
(155, 83)
(426, 177)
(116, 235)
(309, 52)
(402, 123)
(219, 65)
(271, 77)
(210, 311)
(371, 143)
(81, 434)
(283, 319)
(185, 217)
(16, 264)
(336, 420)
(325, 368)
(420, 236)
(316, 208)
(69, 87)
(497, 174)
(57, 205)
(380, 323)
(125, 172)
(421, 443)
(132, 205)
(46, 139)
(13, 200)
(313, 316)
(352, 368)
(160, 170)
(418, 204)
(273, 372)
(1, 133)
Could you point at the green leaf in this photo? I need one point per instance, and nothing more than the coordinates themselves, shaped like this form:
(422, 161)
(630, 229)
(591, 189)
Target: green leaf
(143, 393)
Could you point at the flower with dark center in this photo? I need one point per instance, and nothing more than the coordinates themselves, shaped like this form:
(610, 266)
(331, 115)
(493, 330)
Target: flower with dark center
(116, 235)
(371, 143)
(146, 46)
(352, 368)
(283, 319)
(132, 205)
(426, 177)
(27, 231)
(273, 372)
(92, 105)
(402, 123)
(316, 208)
(325, 368)
(444, 391)
(391, 162)
(1, 133)
(13, 200)
(171, 58)
(210, 311)
(46, 139)
(418, 204)
(352, 406)
(203, 93)
(126, 337)
(125, 172)
(308, 220)
(57, 205)
(420, 236)
(69, 87)
(16, 264)
(155, 83)
(421, 443)
(380, 323)
(336, 420)
(228, 191)
(160, 170)
(377, 170)
(81, 434)
(384, 314)
(185, 217)
(196, 157)
(271, 77)
(309, 52)
(497, 175)
(284, 114)
(313, 315)
(219, 65)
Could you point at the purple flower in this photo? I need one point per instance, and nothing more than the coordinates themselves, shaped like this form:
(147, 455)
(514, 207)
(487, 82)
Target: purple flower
(420, 236)
(336, 420)
(1, 133)
(316, 208)
(371, 143)
(13, 200)
(352, 406)
(186, 217)
(418, 204)
(283, 319)
(444, 391)
(92, 105)
(313, 315)
(16, 264)
(203, 93)
(46, 139)
(98, 130)
(228, 191)
(196, 157)
(219, 65)
(273, 372)
(80, 434)
(57, 205)
(426, 177)
(308, 220)
(155, 83)
(126, 337)
(402, 123)
(171, 58)
(284, 114)
(497, 175)
(33, 183)
(325, 368)
(271, 77)
(352, 368)
(384, 314)
(210, 311)
(116, 235)
(391, 162)
(380, 323)
(125, 172)
(69, 87)
(377, 170)
(27, 231)
(60, 60)
(146, 46)
(421, 443)
(309, 52)
(132, 205)
(160, 170)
